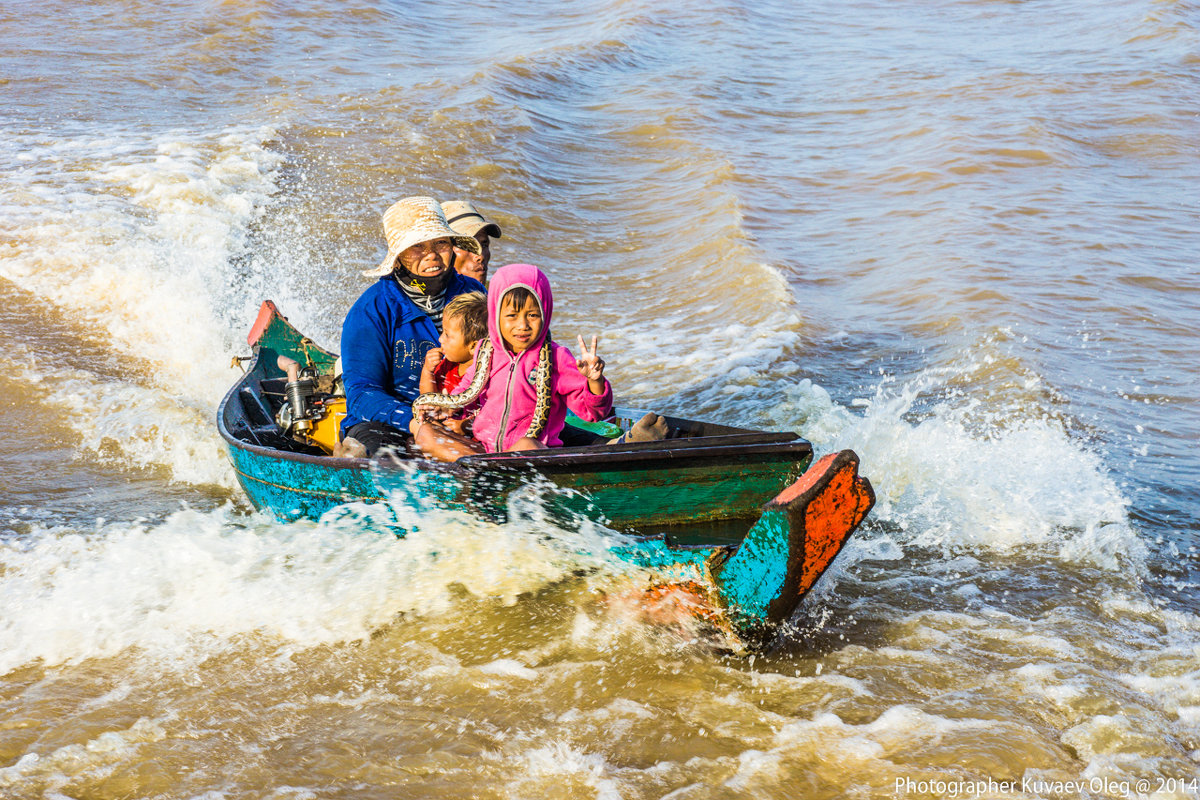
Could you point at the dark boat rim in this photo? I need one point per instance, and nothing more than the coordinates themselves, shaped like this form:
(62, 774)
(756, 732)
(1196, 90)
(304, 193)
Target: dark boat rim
(747, 445)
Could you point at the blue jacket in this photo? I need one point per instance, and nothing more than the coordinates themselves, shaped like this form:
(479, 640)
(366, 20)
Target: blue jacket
(384, 341)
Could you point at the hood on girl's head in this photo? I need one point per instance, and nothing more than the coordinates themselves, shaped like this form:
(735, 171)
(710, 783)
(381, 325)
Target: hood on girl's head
(512, 276)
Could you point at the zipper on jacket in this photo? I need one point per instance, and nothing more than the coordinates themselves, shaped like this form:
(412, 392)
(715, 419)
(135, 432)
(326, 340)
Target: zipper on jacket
(512, 370)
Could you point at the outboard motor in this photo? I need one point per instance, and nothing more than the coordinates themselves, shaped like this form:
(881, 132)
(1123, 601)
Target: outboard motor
(297, 414)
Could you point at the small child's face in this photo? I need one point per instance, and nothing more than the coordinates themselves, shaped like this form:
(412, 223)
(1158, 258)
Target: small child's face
(520, 327)
(454, 345)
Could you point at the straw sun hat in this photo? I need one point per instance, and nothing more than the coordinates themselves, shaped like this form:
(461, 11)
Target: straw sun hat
(411, 221)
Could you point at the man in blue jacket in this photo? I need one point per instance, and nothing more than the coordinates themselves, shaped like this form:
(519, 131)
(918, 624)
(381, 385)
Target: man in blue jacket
(395, 322)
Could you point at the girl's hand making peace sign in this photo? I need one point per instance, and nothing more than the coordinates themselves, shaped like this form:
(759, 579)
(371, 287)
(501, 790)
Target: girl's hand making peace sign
(591, 365)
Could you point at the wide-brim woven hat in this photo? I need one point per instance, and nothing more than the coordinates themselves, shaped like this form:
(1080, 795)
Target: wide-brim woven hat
(466, 219)
(411, 221)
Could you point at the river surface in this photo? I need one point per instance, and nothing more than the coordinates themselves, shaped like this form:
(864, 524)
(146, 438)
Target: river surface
(958, 236)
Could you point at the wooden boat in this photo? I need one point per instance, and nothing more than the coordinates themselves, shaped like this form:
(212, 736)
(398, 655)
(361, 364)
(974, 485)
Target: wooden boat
(728, 516)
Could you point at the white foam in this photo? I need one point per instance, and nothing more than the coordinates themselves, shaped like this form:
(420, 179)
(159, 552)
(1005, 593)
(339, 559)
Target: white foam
(1102, 736)
(1169, 671)
(1036, 643)
(128, 423)
(199, 580)
(965, 477)
(894, 730)
(756, 767)
(844, 684)
(548, 765)
(618, 719)
(1065, 694)
(96, 757)
(138, 240)
(509, 668)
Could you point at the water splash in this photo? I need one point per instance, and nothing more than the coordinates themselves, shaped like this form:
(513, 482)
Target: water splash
(154, 228)
(196, 581)
(138, 246)
(952, 470)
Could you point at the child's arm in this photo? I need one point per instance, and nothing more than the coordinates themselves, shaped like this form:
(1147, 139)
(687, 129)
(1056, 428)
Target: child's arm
(427, 413)
(428, 379)
(578, 390)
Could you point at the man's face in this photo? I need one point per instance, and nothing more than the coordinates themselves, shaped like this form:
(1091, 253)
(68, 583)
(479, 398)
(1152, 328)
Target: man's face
(485, 246)
(471, 265)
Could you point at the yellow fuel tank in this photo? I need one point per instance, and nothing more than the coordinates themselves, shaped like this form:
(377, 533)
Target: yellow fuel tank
(327, 431)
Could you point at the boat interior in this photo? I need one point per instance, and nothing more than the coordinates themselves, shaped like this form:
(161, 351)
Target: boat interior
(251, 414)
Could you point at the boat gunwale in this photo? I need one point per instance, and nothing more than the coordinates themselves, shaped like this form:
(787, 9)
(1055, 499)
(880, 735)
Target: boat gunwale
(594, 456)
(556, 459)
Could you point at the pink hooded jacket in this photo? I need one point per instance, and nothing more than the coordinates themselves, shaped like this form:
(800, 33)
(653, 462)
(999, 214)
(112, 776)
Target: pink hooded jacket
(508, 399)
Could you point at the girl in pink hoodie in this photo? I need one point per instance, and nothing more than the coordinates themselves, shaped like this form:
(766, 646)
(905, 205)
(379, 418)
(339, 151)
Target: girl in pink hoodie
(521, 382)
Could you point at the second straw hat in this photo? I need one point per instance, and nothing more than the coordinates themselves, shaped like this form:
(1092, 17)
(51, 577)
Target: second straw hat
(466, 219)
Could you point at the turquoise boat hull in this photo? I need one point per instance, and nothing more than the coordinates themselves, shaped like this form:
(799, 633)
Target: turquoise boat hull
(729, 515)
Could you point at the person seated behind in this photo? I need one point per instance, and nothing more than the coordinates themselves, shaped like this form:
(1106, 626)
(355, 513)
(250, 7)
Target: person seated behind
(464, 325)
(527, 412)
(467, 221)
